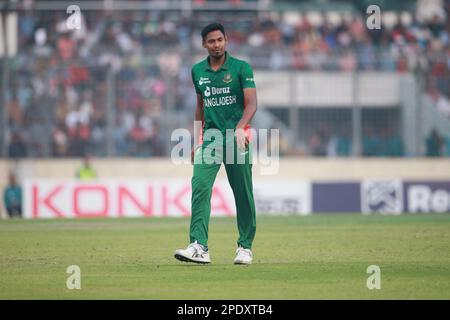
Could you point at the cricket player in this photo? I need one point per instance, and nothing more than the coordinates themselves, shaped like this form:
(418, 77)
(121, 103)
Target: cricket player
(226, 102)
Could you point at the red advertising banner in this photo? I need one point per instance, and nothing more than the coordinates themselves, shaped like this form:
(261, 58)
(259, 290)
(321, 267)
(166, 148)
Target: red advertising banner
(130, 198)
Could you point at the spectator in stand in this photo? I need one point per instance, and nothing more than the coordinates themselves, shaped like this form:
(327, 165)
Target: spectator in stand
(319, 140)
(434, 144)
(17, 148)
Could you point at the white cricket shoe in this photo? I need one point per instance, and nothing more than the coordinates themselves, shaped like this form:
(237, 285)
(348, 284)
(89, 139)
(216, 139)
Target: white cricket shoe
(243, 256)
(193, 253)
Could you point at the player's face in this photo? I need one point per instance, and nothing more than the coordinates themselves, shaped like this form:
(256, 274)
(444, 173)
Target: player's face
(215, 43)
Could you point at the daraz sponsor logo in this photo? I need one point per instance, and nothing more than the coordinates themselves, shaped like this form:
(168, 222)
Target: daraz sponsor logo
(213, 90)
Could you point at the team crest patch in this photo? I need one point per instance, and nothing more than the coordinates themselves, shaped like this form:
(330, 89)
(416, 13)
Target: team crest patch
(227, 78)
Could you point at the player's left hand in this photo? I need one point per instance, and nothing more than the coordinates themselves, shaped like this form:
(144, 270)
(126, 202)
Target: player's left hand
(241, 139)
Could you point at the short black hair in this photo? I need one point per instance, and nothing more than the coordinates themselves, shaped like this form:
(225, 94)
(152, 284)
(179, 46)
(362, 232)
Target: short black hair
(212, 27)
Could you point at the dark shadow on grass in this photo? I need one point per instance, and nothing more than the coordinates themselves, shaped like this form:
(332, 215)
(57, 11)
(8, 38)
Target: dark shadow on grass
(254, 265)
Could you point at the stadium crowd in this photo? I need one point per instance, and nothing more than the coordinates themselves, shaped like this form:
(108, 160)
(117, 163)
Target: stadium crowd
(60, 78)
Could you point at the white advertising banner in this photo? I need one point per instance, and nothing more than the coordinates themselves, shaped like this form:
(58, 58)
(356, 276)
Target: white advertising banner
(283, 197)
(152, 198)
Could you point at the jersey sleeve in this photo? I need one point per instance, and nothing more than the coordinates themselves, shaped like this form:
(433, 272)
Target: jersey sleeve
(247, 79)
(197, 89)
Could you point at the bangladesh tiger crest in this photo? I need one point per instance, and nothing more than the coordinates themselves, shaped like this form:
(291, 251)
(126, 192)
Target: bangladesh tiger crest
(227, 78)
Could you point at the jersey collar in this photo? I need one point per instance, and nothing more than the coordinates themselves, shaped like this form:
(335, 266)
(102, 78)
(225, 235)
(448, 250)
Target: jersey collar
(224, 66)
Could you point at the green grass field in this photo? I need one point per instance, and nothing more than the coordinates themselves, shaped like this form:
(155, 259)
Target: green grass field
(314, 257)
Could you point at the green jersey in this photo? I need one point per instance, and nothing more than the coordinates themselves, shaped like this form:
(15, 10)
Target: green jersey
(222, 91)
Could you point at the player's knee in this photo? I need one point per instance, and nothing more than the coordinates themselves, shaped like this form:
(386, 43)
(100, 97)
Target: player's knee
(200, 185)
